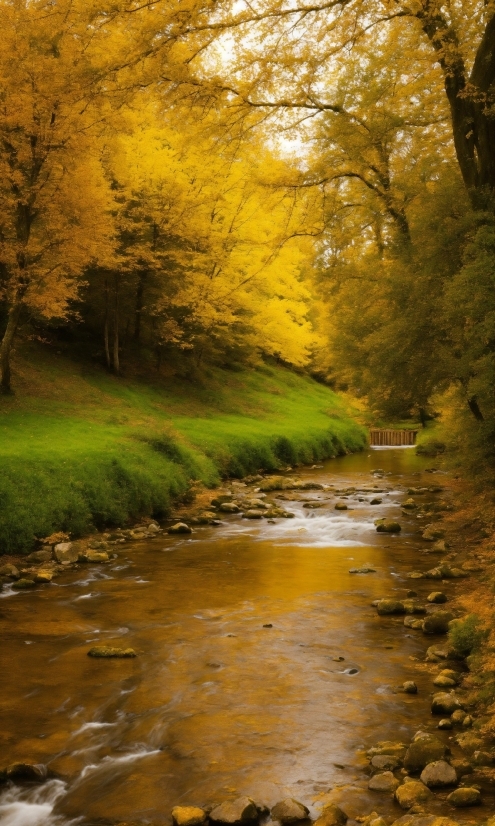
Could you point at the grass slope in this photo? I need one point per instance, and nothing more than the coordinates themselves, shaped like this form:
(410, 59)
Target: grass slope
(81, 449)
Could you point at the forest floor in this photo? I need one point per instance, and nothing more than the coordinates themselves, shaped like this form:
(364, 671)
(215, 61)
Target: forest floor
(82, 449)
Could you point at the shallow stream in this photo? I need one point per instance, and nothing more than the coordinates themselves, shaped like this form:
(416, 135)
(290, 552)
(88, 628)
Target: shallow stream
(262, 668)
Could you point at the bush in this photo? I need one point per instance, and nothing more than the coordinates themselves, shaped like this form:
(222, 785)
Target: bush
(467, 635)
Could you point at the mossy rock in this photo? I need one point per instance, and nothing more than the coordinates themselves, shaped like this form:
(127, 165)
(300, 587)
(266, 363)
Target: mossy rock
(108, 652)
(388, 526)
(24, 584)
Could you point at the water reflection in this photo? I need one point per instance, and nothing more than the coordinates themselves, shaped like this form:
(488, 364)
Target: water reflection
(262, 668)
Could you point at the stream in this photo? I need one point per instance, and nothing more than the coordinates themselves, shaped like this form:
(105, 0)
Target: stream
(262, 668)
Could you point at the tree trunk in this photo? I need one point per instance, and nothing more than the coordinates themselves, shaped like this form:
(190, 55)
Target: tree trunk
(138, 310)
(6, 346)
(116, 361)
(105, 329)
(473, 126)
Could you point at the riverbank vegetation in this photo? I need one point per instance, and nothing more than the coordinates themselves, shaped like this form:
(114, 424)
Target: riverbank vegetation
(82, 449)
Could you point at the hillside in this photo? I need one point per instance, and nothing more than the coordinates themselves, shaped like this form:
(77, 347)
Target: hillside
(82, 449)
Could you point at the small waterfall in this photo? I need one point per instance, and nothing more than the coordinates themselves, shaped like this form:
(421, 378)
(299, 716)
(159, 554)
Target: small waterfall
(387, 437)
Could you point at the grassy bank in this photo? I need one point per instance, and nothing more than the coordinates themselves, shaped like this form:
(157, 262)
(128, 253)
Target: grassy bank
(82, 449)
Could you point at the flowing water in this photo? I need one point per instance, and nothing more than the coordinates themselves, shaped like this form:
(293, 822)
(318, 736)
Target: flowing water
(262, 669)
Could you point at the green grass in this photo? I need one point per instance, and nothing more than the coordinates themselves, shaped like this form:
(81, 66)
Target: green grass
(81, 449)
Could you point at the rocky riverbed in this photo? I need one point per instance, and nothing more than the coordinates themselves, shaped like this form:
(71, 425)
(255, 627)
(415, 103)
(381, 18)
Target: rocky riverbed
(356, 573)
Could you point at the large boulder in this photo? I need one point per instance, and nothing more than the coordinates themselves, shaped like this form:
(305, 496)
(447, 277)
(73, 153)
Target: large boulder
(383, 782)
(445, 703)
(390, 606)
(424, 749)
(241, 810)
(439, 773)
(464, 796)
(332, 816)
(289, 811)
(437, 622)
(188, 816)
(411, 793)
(65, 552)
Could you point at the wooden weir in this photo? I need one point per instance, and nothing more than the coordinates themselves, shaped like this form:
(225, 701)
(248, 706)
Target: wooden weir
(382, 437)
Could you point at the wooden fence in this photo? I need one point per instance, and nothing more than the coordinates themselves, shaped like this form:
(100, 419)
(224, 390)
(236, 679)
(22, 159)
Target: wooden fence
(390, 438)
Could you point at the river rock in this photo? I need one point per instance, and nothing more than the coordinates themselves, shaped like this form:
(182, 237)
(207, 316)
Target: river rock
(289, 811)
(409, 504)
(390, 606)
(253, 513)
(376, 501)
(220, 499)
(109, 652)
(93, 556)
(462, 766)
(340, 506)
(229, 507)
(437, 597)
(383, 782)
(433, 573)
(35, 772)
(313, 505)
(256, 503)
(437, 622)
(43, 576)
(179, 527)
(331, 815)
(188, 816)
(445, 724)
(241, 810)
(444, 703)
(412, 606)
(424, 749)
(412, 792)
(409, 687)
(276, 483)
(9, 571)
(388, 526)
(65, 552)
(40, 556)
(388, 747)
(464, 796)
(437, 774)
(413, 622)
(431, 533)
(436, 653)
(363, 570)
(23, 584)
(442, 681)
(415, 575)
(385, 762)
(458, 716)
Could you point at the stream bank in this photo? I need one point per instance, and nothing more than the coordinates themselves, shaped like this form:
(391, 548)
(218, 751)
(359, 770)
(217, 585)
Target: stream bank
(262, 668)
